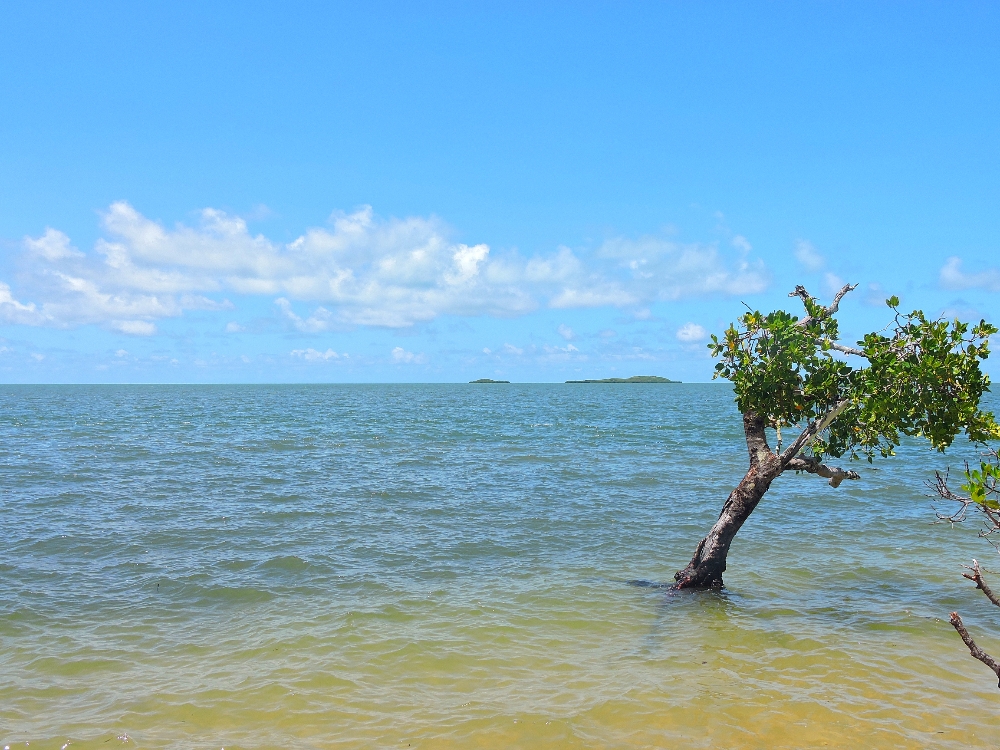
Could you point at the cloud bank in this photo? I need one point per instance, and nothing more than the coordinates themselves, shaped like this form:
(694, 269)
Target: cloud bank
(357, 270)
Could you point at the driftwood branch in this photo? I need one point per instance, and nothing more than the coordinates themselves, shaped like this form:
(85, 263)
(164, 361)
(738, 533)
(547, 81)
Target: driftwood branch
(977, 653)
(835, 474)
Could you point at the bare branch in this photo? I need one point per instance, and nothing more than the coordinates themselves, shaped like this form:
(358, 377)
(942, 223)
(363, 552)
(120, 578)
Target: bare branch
(991, 516)
(835, 474)
(976, 576)
(942, 490)
(835, 305)
(977, 653)
(845, 349)
(813, 429)
(801, 293)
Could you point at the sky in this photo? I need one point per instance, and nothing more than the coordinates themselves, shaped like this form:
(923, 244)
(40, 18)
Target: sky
(436, 192)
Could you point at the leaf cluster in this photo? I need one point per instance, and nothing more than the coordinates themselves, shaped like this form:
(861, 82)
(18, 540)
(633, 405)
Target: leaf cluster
(983, 484)
(916, 377)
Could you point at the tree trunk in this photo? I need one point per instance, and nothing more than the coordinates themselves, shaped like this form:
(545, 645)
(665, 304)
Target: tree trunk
(709, 561)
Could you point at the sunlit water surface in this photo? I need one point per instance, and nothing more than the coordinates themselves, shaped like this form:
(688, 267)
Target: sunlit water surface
(447, 566)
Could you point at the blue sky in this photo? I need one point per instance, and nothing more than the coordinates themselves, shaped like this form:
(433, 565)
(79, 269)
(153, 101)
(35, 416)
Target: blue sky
(213, 192)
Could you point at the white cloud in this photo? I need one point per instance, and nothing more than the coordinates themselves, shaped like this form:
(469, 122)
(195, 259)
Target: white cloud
(742, 244)
(311, 355)
(234, 327)
(953, 277)
(691, 332)
(652, 268)
(121, 353)
(810, 258)
(357, 270)
(400, 355)
(53, 245)
(511, 349)
(320, 320)
(135, 327)
(12, 311)
(832, 283)
(568, 349)
(565, 331)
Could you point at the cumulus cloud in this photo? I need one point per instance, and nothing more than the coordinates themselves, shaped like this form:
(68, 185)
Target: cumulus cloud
(810, 258)
(53, 245)
(691, 332)
(953, 277)
(312, 355)
(400, 355)
(12, 311)
(652, 268)
(356, 270)
(320, 320)
(565, 331)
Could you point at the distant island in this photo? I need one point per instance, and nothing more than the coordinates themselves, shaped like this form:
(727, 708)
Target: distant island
(488, 380)
(633, 379)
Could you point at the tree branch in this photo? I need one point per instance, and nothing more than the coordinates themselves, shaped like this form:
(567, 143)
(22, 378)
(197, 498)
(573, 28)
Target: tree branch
(977, 653)
(845, 349)
(835, 474)
(801, 293)
(813, 429)
(943, 490)
(976, 576)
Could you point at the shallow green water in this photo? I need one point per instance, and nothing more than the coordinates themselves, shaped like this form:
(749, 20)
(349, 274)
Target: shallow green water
(446, 566)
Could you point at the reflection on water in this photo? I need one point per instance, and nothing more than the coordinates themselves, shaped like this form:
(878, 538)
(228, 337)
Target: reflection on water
(450, 567)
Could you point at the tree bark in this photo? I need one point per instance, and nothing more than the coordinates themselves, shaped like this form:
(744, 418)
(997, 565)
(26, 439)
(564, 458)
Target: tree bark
(709, 561)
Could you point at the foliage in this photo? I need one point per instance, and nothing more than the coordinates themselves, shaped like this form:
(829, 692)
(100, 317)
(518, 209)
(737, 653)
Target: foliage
(921, 377)
(983, 484)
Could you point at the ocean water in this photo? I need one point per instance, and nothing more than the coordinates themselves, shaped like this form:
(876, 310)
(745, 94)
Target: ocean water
(456, 566)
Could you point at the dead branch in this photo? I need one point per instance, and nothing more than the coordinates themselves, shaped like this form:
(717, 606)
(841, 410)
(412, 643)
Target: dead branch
(976, 576)
(813, 429)
(835, 474)
(801, 293)
(845, 349)
(977, 653)
(942, 489)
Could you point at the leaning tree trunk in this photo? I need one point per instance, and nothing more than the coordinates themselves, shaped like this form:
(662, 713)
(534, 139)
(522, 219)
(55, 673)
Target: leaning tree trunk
(709, 561)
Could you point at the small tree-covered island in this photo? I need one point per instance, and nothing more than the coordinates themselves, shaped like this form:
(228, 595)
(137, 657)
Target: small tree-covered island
(915, 377)
(633, 379)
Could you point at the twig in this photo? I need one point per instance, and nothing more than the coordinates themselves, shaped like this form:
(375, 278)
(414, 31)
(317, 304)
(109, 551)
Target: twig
(976, 576)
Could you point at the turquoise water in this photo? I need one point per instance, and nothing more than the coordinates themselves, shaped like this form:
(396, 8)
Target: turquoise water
(448, 566)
